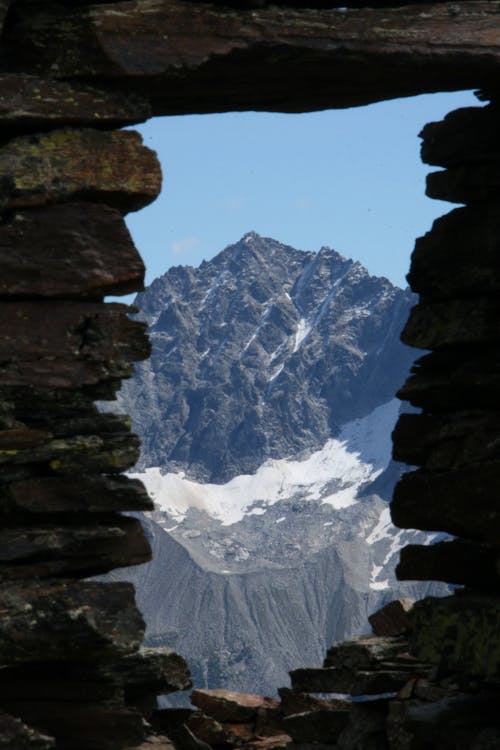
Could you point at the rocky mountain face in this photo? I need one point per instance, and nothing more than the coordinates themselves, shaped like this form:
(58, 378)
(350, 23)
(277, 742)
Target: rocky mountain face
(261, 353)
(265, 413)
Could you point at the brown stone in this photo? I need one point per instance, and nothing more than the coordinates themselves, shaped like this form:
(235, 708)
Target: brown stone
(197, 57)
(455, 561)
(67, 344)
(79, 550)
(28, 103)
(74, 250)
(323, 725)
(109, 167)
(461, 502)
(229, 706)
(95, 494)
(453, 323)
(392, 618)
(14, 735)
(459, 633)
(293, 702)
(459, 256)
(68, 620)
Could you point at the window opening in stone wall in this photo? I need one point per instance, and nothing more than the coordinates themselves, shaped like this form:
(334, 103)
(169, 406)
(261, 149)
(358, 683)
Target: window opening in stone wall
(276, 293)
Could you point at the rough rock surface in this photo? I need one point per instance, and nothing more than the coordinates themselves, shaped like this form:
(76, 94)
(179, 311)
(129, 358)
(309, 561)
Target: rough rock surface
(70, 164)
(219, 59)
(78, 250)
(260, 355)
(104, 65)
(263, 352)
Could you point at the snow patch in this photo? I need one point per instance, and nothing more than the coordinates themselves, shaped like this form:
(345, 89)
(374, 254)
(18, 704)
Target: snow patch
(382, 529)
(276, 373)
(332, 475)
(377, 585)
(303, 330)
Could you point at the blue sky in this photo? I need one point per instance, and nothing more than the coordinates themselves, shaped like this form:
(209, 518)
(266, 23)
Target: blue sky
(351, 179)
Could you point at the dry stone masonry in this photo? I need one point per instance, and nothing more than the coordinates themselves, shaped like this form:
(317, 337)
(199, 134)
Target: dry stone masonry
(74, 675)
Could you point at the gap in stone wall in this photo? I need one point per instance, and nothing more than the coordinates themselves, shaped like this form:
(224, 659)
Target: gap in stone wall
(351, 179)
(207, 160)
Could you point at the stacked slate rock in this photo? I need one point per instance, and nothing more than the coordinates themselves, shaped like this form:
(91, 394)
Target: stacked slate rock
(455, 441)
(373, 693)
(224, 719)
(73, 675)
(346, 702)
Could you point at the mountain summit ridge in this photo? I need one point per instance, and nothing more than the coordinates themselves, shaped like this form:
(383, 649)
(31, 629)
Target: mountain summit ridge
(265, 414)
(259, 353)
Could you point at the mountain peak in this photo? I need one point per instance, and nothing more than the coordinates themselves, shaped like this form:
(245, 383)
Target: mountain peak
(249, 236)
(263, 351)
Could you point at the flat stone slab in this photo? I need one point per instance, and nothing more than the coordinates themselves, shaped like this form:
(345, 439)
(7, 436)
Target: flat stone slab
(229, 706)
(293, 702)
(30, 103)
(198, 57)
(68, 344)
(94, 494)
(99, 166)
(76, 550)
(75, 250)
(365, 652)
(468, 183)
(451, 501)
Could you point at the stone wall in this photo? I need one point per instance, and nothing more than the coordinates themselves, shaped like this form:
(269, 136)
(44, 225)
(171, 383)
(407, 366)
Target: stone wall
(71, 73)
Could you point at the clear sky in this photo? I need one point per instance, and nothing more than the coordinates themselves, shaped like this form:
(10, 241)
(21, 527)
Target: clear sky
(351, 179)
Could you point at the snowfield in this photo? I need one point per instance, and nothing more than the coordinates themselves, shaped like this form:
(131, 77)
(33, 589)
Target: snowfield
(333, 475)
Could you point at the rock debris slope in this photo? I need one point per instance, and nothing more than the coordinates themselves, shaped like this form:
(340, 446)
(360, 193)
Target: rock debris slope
(265, 413)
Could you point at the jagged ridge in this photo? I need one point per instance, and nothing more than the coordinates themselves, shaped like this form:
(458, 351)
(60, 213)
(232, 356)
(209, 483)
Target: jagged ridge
(262, 352)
